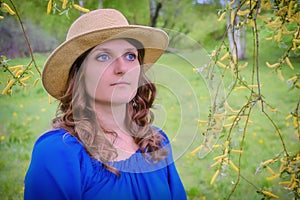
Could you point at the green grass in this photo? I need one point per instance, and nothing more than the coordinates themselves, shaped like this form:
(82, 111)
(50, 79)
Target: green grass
(183, 98)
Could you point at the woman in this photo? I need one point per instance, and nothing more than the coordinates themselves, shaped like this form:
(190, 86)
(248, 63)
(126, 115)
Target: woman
(103, 144)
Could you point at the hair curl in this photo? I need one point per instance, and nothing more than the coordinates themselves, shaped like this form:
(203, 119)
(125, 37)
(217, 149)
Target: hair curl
(75, 115)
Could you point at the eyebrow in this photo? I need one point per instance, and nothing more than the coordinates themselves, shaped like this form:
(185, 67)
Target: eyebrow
(109, 50)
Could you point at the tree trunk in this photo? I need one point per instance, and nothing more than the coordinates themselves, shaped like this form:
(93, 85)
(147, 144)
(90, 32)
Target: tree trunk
(100, 4)
(80, 2)
(237, 38)
(154, 11)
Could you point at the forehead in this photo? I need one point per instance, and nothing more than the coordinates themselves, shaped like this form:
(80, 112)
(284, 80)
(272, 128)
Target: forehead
(116, 44)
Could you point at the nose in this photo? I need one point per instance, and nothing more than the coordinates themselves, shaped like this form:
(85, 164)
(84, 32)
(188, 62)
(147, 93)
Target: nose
(120, 66)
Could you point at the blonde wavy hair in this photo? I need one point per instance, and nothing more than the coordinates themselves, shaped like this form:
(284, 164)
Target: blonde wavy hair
(75, 115)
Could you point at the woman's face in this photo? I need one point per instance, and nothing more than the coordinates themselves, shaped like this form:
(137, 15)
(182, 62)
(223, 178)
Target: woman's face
(111, 72)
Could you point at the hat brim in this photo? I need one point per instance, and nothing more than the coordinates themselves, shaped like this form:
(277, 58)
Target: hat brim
(56, 69)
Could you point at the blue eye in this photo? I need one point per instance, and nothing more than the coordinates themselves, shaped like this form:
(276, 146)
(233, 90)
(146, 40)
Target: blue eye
(102, 57)
(130, 56)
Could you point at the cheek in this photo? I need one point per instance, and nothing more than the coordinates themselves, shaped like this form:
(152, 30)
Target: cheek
(135, 75)
(92, 80)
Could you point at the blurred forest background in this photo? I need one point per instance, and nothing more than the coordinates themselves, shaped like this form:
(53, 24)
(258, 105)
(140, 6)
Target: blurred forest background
(47, 31)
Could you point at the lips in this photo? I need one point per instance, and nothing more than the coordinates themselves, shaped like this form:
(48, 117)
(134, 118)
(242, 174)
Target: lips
(120, 83)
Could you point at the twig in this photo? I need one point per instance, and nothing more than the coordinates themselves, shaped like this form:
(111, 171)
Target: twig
(241, 148)
(27, 41)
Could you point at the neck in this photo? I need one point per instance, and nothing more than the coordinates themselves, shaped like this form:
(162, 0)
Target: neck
(111, 117)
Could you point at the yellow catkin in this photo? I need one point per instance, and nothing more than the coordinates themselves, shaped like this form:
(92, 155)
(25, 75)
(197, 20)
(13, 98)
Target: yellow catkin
(243, 66)
(288, 62)
(232, 68)
(269, 38)
(221, 16)
(230, 108)
(240, 88)
(294, 46)
(25, 79)
(234, 167)
(202, 122)
(215, 164)
(284, 183)
(31, 72)
(281, 3)
(236, 151)
(253, 86)
(243, 12)
(270, 170)
(279, 74)
(296, 40)
(279, 35)
(49, 99)
(295, 122)
(231, 118)
(263, 18)
(225, 56)
(217, 146)
(288, 116)
(226, 143)
(292, 79)
(8, 9)
(78, 7)
(222, 64)
(235, 59)
(18, 73)
(292, 186)
(272, 65)
(218, 115)
(271, 178)
(232, 18)
(290, 9)
(272, 109)
(269, 194)
(9, 92)
(1, 17)
(220, 157)
(231, 3)
(15, 67)
(64, 4)
(229, 125)
(213, 179)
(193, 153)
(286, 31)
(267, 162)
(36, 82)
(250, 22)
(49, 7)
(274, 24)
(8, 86)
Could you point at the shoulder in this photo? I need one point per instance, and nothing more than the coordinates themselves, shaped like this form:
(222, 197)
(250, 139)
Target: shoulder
(57, 143)
(56, 152)
(59, 160)
(163, 135)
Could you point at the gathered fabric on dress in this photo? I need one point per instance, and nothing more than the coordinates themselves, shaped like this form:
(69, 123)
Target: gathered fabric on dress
(61, 168)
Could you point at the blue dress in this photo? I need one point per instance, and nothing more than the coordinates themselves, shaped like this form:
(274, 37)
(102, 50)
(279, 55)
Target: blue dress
(61, 168)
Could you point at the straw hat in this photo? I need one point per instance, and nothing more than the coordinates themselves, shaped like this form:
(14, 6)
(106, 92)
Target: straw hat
(88, 31)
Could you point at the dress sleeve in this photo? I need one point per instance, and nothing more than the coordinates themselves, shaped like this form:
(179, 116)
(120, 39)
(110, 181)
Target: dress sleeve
(175, 184)
(176, 187)
(54, 171)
